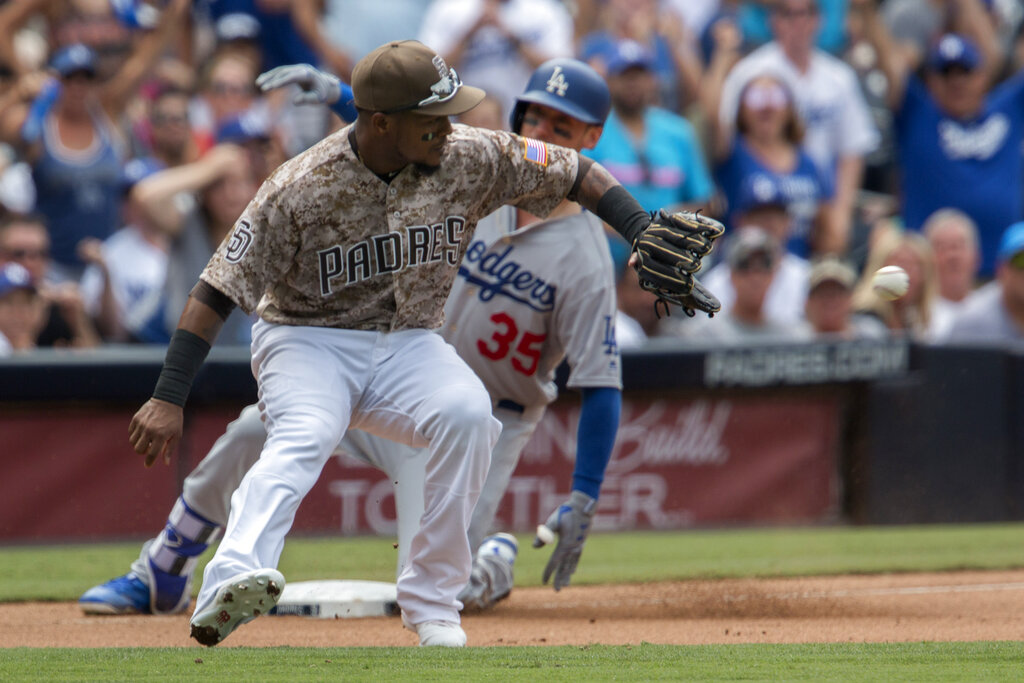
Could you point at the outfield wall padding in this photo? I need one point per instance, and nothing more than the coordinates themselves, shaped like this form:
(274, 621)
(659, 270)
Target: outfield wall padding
(869, 432)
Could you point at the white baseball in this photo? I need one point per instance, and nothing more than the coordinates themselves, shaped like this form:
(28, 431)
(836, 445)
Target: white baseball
(545, 534)
(890, 282)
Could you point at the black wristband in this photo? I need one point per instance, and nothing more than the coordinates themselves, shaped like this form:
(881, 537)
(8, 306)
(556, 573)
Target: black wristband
(185, 355)
(619, 209)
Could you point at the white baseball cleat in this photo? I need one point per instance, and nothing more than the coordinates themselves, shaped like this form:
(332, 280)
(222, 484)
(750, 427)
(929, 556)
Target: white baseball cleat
(437, 633)
(243, 598)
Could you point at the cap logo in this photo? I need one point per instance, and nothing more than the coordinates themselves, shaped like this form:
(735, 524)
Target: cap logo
(447, 85)
(78, 53)
(950, 47)
(557, 83)
(17, 274)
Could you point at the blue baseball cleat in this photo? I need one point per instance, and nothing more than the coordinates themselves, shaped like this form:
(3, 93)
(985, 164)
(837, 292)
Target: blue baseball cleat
(171, 593)
(126, 594)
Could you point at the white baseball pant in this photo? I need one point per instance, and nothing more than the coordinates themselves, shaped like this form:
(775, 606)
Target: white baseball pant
(408, 386)
(208, 488)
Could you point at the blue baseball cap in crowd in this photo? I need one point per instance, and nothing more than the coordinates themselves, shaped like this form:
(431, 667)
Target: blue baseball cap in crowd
(954, 50)
(14, 276)
(628, 54)
(74, 58)
(136, 14)
(759, 192)
(1011, 243)
(245, 127)
(138, 169)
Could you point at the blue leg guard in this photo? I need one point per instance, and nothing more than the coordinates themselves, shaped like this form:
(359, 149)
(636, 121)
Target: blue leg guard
(173, 555)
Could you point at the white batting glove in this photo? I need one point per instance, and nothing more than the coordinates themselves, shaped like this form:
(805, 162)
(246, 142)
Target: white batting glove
(318, 87)
(571, 521)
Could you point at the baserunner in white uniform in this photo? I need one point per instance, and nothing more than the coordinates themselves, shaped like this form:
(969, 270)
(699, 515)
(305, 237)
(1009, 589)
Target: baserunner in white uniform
(348, 253)
(529, 293)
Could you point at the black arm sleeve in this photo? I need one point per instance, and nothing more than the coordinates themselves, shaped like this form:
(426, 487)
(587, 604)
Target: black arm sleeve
(619, 209)
(214, 298)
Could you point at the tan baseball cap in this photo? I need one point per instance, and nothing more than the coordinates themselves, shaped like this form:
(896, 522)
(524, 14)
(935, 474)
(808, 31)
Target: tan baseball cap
(408, 76)
(831, 269)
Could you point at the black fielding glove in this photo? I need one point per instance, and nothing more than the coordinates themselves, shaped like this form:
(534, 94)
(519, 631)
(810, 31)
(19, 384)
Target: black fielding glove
(669, 251)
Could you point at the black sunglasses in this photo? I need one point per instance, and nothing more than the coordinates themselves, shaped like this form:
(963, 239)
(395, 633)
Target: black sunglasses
(761, 262)
(20, 254)
(954, 70)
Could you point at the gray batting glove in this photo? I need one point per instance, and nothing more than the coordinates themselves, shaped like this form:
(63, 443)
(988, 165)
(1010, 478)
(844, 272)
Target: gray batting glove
(571, 521)
(317, 86)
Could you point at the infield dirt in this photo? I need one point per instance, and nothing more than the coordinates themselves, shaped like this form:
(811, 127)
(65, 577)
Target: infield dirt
(957, 606)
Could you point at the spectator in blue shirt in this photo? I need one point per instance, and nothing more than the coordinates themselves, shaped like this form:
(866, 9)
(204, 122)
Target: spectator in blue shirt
(654, 153)
(958, 139)
(758, 152)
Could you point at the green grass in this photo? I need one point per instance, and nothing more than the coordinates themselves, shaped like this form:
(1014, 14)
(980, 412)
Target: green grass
(844, 662)
(63, 572)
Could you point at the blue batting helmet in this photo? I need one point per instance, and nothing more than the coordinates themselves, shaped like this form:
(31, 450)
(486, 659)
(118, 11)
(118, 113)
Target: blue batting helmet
(568, 85)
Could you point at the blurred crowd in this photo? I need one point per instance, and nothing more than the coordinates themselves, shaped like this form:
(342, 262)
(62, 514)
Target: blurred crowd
(832, 137)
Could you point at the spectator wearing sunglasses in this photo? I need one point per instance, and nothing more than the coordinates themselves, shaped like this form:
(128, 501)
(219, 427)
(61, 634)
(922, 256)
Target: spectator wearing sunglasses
(828, 311)
(22, 310)
(995, 314)
(839, 131)
(764, 205)
(228, 90)
(653, 152)
(753, 259)
(760, 148)
(958, 138)
(25, 241)
(169, 133)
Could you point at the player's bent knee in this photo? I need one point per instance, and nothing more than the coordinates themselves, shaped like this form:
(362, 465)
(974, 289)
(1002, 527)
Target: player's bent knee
(467, 413)
(316, 432)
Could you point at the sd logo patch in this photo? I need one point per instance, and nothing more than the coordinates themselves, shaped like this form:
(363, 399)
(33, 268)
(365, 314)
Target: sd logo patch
(241, 240)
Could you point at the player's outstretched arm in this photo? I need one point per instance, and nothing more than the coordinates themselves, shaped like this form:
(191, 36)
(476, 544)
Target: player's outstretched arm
(571, 522)
(156, 428)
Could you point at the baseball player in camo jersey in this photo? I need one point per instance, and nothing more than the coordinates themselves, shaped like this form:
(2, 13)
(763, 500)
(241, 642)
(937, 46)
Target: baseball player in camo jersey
(347, 254)
(528, 294)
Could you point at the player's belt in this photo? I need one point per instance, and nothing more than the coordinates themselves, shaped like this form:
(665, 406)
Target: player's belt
(509, 404)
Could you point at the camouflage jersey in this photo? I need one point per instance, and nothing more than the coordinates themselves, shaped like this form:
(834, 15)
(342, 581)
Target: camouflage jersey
(327, 243)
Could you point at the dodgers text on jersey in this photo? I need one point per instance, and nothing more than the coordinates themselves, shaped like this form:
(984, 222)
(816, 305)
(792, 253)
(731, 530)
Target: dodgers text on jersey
(497, 273)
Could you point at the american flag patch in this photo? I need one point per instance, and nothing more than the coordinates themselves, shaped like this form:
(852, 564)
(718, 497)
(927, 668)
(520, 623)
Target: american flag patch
(536, 151)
